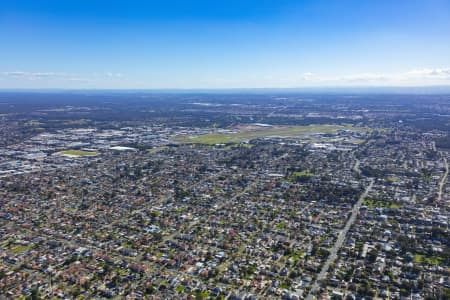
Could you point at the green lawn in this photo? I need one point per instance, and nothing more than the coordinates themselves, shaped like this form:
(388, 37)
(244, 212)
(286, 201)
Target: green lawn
(20, 249)
(371, 203)
(180, 289)
(78, 153)
(281, 225)
(297, 255)
(286, 131)
(301, 174)
(431, 260)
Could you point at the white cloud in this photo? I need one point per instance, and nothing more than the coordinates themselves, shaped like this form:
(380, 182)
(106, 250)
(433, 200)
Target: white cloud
(424, 76)
(33, 75)
(308, 76)
(414, 77)
(56, 76)
(438, 73)
(114, 75)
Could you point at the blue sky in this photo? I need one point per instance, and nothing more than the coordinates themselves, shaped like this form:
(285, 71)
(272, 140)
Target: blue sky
(223, 44)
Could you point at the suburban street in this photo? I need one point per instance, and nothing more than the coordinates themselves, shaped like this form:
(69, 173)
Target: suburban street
(338, 244)
(443, 179)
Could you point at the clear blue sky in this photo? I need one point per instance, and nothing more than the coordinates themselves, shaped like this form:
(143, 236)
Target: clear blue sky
(220, 44)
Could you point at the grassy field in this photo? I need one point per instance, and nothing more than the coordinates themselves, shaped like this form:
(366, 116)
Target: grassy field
(303, 174)
(371, 203)
(431, 260)
(287, 131)
(77, 153)
(20, 249)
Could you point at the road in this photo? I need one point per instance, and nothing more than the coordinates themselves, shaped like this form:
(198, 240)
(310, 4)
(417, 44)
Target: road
(356, 167)
(338, 244)
(443, 179)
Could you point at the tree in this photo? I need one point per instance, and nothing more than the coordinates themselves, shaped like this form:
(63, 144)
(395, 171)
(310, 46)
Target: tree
(35, 295)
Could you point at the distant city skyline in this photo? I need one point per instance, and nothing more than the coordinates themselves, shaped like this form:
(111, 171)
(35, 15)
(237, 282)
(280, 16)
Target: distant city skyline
(223, 44)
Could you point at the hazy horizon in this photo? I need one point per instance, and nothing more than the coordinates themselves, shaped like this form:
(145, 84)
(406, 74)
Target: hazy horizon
(413, 90)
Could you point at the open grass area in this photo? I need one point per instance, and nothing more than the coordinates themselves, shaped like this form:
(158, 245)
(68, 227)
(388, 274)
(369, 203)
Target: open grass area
(284, 131)
(431, 260)
(371, 203)
(296, 255)
(280, 225)
(180, 289)
(20, 249)
(77, 153)
(301, 174)
(4, 244)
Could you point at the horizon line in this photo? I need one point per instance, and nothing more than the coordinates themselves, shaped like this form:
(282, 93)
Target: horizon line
(434, 89)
